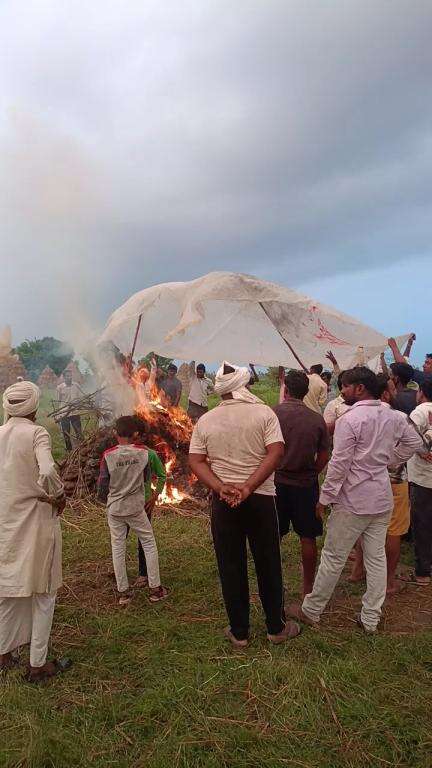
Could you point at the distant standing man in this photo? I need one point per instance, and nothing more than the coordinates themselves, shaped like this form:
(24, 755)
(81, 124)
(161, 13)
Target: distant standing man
(405, 397)
(367, 439)
(67, 392)
(234, 451)
(171, 386)
(420, 479)
(316, 397)
(305, 456)
(200, 388)
(31, 499)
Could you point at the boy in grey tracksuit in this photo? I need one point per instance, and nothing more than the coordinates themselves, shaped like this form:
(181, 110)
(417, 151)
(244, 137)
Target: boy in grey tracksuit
(121, 487)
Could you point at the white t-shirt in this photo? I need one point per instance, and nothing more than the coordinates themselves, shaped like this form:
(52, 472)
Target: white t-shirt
(200, 390)
(234, 436)
(419, 470)
(334, 409)
(68, 393)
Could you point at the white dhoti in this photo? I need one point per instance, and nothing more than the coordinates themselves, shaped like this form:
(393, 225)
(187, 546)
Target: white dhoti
(27, 620)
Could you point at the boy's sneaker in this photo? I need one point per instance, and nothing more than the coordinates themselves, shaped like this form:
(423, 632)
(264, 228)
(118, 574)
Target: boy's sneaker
(157, 594)
(366, 629)
(141, 582)
(125, 597)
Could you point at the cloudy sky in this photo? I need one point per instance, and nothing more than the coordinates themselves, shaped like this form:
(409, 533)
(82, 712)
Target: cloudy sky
(149, 141)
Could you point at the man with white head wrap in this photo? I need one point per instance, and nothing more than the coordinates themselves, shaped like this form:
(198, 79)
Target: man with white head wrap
(235, 449)
(31, 498)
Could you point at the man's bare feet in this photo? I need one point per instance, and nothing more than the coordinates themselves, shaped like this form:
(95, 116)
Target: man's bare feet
(394, 587)
(289, 632)
(234, 640)
(295, 610)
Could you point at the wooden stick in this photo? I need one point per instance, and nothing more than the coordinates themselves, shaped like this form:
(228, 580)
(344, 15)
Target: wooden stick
(134, 342)
(283, 338)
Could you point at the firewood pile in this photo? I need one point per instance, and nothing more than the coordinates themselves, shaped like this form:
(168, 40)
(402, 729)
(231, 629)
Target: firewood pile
(167, 436)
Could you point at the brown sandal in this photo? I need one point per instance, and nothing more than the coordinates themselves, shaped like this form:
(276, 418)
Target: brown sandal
(52, 669)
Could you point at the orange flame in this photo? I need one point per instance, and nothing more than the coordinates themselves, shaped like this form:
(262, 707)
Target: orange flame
(151, 407)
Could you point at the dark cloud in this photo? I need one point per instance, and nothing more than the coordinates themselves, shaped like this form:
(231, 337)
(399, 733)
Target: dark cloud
(148, 143)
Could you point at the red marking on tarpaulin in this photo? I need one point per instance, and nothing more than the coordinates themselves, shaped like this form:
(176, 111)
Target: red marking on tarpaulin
(325, 334)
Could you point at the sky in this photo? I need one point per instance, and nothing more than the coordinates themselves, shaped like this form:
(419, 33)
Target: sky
(145, 142)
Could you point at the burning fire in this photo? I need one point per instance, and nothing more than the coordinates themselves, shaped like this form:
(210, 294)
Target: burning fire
(172, 422)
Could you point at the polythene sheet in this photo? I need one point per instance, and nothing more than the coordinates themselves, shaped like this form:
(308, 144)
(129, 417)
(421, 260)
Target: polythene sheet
(240, 318)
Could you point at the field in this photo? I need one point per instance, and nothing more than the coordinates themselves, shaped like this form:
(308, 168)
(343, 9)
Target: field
(157, 686)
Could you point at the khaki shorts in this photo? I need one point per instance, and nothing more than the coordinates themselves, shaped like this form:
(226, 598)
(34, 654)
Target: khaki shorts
(400, 519)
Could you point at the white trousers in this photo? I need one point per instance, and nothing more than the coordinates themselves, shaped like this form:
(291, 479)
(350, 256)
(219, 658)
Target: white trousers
(26, 620)
(343, 530)
(141, 525)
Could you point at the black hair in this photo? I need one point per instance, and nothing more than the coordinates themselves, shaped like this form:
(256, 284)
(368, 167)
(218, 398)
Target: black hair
(426, 388)
(318, 368)
(382, 383)
(429, 354)
(172, 367)
(362, 375)
(326, 375)
(126, 426)
(297, 384)
(403, 371)
(201, 366)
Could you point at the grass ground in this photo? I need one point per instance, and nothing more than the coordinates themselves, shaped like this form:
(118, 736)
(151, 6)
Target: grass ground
(158, 687)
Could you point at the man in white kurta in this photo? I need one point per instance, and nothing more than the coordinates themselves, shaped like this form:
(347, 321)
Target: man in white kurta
(31, 498)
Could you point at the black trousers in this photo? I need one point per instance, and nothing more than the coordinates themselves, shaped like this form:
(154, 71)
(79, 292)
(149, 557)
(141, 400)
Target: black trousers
(66, 424)
(421, 520)
(255, 521)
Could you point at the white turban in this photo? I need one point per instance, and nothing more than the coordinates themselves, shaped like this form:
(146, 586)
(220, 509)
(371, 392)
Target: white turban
(235, 383)
(27, 396)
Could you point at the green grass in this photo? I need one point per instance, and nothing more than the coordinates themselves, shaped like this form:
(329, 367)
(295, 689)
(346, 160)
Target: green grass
(157, 686)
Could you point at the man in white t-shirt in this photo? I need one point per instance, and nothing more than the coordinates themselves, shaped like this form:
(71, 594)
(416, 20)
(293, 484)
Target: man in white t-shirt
(66, 394)
(200, 388)
(335, 408)
(316, 397)
(420, 479)
(234, 451)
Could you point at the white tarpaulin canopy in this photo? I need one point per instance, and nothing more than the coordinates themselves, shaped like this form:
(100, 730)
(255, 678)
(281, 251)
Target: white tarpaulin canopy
(236, 317)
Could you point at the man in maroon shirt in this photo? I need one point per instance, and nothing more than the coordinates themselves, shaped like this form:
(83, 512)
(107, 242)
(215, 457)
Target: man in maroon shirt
(305, 456)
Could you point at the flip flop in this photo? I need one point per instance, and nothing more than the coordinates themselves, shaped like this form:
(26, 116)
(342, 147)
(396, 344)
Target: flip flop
(411, 578)
(59, 666)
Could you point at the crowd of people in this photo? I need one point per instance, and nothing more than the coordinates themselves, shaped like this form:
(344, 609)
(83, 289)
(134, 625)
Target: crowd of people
(370, 433)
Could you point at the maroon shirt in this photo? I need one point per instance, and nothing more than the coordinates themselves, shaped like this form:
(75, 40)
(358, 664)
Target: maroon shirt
(305, 433)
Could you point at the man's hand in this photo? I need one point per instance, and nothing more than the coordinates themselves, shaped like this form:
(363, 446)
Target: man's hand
(330, 356)
(244, 492)
(412, 337)
(319, 511)
(229, 493)
(392, 343)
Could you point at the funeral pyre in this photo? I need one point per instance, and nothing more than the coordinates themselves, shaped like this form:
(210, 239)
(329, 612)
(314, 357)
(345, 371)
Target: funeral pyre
(164, 428)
